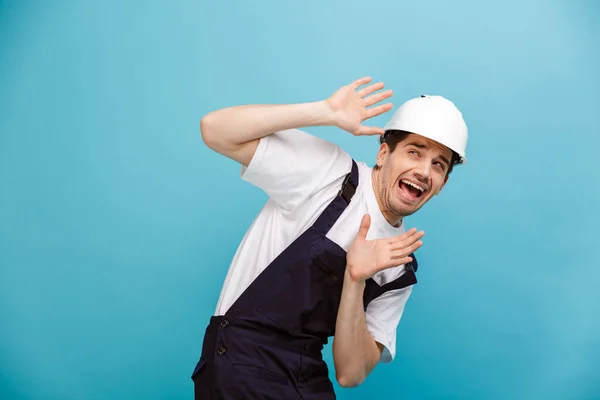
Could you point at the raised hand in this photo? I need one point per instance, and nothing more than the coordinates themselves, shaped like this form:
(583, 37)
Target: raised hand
(349, 106)
(367, 257)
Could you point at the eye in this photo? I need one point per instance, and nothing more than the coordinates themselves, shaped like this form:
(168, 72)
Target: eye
(440, 165)
(414, 152)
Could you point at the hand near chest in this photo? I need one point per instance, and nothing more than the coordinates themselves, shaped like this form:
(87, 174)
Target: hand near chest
(367, 257)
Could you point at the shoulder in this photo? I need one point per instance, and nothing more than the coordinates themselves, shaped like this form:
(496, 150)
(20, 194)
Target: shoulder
(292, 165)
(295, 145)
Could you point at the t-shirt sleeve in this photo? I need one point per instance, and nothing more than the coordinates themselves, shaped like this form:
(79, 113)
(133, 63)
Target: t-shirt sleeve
(383, 316)
(291, 165)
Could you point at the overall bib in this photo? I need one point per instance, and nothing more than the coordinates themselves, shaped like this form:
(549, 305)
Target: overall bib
(268, 345)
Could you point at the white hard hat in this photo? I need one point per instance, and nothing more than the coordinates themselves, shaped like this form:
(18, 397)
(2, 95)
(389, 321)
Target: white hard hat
(433, 117)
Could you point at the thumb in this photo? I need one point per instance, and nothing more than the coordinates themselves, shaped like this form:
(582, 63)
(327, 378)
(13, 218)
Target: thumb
(365, 223)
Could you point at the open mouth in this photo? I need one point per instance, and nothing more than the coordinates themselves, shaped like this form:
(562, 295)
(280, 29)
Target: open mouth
(412, 191)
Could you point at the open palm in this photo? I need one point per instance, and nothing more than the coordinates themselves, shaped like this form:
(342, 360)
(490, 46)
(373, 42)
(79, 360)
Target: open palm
(350, 106)
(367, 257)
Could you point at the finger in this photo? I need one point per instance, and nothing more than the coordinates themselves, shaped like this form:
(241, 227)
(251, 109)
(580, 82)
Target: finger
(364, 226)
(375, 111)
(404, 243)
(409, 233)
(405, 251)
(405, 235)
(359, 82)
(370, 89)
(400, 261)
(394, 262)
(369, 130)
(376, 98)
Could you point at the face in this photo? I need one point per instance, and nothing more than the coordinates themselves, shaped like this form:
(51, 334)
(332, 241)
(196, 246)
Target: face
(409, 176)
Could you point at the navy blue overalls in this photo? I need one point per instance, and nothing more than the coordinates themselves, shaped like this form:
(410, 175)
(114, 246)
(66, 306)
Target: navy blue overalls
(268, 344)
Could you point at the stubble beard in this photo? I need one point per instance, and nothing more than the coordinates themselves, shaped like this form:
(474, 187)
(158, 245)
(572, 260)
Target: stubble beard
(399, 211)
(386, 205)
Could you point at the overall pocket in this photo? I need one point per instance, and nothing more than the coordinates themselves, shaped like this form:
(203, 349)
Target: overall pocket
(199, 367)
(252, 380)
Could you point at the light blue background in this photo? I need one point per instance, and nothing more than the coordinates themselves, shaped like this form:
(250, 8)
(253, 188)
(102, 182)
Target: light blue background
(117, 223)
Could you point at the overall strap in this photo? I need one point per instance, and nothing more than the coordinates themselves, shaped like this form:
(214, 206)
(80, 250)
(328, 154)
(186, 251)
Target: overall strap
(409, 278)
(337, 206)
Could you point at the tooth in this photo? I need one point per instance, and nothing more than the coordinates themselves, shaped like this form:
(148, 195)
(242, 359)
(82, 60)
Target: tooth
(415, 186)
(409, 183)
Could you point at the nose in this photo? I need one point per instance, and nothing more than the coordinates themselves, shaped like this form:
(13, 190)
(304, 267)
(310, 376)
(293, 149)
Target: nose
(423, 171)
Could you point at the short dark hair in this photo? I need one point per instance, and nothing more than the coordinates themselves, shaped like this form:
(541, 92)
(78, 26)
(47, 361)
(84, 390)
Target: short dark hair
(392, 137)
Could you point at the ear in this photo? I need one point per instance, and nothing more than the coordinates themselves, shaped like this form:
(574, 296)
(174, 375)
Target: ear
(384, 150)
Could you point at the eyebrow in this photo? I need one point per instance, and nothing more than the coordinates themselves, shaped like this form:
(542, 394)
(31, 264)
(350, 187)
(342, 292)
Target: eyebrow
(416, 144)
(422, 146)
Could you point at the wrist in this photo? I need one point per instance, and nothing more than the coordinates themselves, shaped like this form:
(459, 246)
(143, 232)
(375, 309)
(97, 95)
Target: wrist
(352, 279)
(324, 113)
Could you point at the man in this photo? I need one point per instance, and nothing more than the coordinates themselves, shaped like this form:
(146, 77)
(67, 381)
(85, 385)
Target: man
(328, 255)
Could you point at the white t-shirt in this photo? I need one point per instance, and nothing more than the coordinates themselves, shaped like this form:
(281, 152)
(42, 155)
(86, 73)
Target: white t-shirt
(301, 174)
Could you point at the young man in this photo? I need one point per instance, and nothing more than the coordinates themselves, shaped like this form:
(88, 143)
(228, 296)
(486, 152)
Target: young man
(328, 255)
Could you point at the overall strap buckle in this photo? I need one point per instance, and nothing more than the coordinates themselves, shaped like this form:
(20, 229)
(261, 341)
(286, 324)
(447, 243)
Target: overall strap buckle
(347, 190)
(349, 185)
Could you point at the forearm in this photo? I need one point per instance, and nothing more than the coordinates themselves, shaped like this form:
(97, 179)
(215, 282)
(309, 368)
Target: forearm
(233, 126)
(355, 351)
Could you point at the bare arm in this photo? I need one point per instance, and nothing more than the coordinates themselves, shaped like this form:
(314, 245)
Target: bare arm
(235, 131)
(355, 351)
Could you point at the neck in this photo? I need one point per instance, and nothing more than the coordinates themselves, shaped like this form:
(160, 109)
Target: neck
(379, 191)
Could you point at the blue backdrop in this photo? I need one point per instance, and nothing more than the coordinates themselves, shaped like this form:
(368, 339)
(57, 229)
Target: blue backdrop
(117, 224)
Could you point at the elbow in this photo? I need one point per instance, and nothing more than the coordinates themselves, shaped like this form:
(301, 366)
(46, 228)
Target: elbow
(349, 381)
(207, 131)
